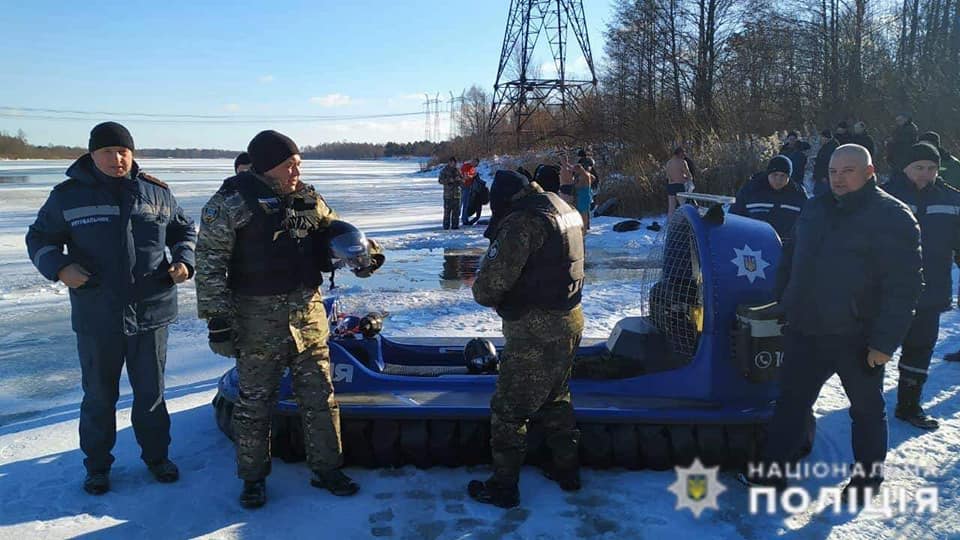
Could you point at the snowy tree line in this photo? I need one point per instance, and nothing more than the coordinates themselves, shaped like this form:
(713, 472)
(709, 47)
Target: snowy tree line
(679, 68)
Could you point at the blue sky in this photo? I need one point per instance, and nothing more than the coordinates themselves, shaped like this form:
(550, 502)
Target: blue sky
(320, 57)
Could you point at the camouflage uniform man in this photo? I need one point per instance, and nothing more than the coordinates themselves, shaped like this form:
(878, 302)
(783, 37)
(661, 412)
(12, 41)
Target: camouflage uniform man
(533, 275)
(259, 257)
(452, 181)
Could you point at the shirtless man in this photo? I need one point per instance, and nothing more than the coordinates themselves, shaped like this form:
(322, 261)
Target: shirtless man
(678, 174)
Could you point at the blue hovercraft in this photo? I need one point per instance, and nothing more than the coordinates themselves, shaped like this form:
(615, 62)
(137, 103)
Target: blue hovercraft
(694, 377)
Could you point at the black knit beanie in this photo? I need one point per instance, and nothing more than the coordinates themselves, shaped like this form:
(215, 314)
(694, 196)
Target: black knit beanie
(242, 159)
(109, 134)
(780, 164)
(922, 152)
(269, 149)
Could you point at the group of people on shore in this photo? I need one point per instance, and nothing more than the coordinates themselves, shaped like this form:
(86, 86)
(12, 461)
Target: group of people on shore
(465, 192)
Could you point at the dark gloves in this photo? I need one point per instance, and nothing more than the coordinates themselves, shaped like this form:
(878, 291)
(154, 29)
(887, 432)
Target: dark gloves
(220, 337)
(377, 258)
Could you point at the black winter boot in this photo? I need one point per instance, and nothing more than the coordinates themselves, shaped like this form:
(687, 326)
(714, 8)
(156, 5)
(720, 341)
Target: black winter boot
(97, 483)
(501, 488)
(490, 492)
(254, 494)
(164, 470)
(908, 405)
(564, 469)
(335, 481)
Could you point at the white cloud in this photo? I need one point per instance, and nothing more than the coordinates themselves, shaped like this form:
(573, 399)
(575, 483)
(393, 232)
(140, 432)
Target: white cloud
(577, 68)
(331, 100)
(414, 97)
(548, 69)
(232, 107)
(265, 79)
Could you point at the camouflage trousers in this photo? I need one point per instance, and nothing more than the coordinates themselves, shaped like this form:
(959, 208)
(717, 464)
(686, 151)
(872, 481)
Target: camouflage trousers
(277, 332)
(534, 382)
(451, 212)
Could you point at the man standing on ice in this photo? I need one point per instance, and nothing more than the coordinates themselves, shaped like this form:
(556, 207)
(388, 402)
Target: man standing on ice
(532, 274)
(936, 206)
(116, 223)
(262, 247)
(852, 279)
(452, 181)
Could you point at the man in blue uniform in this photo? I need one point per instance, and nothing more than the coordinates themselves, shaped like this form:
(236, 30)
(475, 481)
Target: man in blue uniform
(772, 197)
(116, 223)
(937, 207)
(853, 276)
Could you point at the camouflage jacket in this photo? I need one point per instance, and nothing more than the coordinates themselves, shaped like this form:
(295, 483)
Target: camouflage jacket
(222, 216)
(452, 180)
(519, 236)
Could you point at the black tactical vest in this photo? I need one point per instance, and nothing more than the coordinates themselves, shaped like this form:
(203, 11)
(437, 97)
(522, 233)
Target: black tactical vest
(553, 276)
(280, 250)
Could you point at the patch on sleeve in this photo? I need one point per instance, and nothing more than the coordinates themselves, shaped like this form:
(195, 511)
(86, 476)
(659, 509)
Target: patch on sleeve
(210, 213)
(494, 250)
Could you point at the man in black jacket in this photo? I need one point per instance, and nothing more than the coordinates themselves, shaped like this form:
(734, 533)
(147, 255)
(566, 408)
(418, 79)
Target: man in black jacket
(937, 208)
(117, 223)
(772, 197)
(852, 279)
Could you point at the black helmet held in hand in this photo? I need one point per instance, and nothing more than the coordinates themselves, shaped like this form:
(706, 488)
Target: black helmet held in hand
(480, 356)
(348, 245)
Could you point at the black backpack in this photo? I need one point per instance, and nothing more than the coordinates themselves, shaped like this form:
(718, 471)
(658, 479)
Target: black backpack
(481, 191)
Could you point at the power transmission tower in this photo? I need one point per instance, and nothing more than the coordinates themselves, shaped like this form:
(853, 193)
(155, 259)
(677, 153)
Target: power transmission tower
(523, 96)
(426, 117)
(431, 125)
(436, 117)
(456, 107)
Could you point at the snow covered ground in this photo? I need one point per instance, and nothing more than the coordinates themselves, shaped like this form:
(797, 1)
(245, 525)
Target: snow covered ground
(425, 287)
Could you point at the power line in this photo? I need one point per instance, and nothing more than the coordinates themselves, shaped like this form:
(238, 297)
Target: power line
(66, 114)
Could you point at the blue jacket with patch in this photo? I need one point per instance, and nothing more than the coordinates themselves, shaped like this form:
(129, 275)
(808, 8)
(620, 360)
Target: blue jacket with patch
(937, 208)
(853, 268)
(120, 233)
(780, 208)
